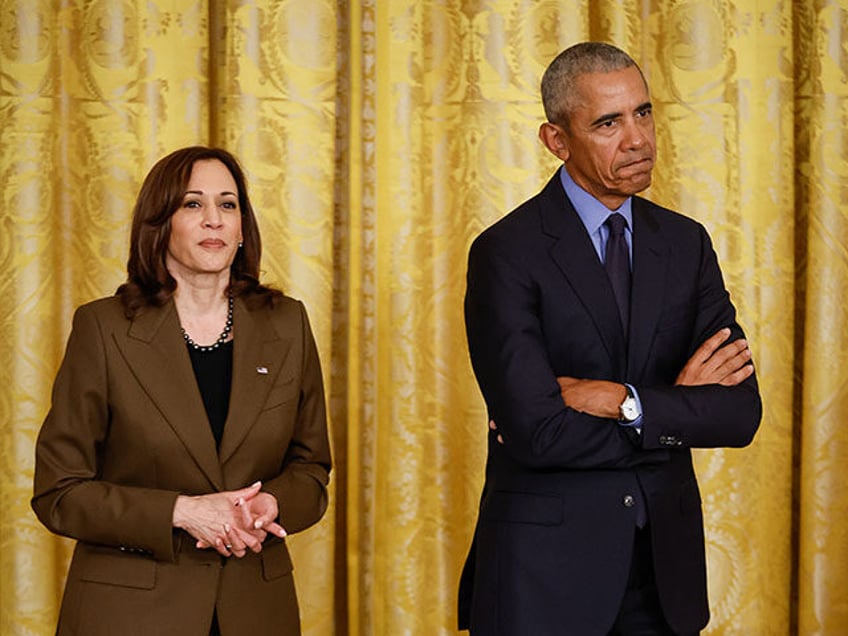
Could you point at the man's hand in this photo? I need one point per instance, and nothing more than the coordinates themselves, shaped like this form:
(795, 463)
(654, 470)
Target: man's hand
(493, 427)
(594, 397)
(713, 363)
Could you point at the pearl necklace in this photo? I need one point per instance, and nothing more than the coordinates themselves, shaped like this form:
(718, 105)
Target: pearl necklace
(221, 339)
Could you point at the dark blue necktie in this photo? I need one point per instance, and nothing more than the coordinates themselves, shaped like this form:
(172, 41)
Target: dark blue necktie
(617, 264)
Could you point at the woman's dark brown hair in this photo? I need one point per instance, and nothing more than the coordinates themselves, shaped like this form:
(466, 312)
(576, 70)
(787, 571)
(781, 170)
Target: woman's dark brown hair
(161, 195)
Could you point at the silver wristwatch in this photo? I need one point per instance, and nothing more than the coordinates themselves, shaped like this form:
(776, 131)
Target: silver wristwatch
(629, 410)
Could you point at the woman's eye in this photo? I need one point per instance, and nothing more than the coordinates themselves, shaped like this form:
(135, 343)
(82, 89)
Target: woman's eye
(230, 205)
(191, 204)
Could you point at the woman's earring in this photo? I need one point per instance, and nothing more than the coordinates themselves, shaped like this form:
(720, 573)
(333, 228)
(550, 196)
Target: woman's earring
(241, 245)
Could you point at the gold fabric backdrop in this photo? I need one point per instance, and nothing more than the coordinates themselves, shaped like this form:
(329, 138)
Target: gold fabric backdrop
(379, 138)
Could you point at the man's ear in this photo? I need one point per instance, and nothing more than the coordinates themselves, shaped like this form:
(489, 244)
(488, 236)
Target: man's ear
(553, 136)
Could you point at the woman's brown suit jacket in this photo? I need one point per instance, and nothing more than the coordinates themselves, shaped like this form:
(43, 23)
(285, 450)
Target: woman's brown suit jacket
(127, 433)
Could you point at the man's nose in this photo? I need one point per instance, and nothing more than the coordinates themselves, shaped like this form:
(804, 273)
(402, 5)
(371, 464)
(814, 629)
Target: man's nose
(636, 135)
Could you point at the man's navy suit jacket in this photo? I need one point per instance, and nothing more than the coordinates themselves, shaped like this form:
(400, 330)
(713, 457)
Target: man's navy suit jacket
(552, 547)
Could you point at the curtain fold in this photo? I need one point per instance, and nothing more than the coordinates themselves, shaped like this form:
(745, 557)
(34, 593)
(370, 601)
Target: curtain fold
(822, 107)
(379, 138)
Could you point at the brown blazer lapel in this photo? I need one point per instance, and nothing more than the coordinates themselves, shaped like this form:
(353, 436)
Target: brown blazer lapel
(259, 356)
(156, 353)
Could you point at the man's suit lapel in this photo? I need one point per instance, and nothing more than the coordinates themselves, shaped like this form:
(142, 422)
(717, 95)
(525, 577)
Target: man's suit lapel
(156, 353)
(576, 257)
(650, 267)
(259, 356)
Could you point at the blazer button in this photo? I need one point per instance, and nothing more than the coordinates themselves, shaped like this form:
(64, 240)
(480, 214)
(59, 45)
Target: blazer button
(628, 501)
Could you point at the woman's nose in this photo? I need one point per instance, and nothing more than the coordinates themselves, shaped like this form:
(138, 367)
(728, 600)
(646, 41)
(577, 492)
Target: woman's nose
(212, 216)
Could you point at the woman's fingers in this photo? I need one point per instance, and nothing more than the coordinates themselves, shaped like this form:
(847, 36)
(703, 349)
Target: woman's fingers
(276, 529)
(238, 542)
(233, 522)
(245, 494)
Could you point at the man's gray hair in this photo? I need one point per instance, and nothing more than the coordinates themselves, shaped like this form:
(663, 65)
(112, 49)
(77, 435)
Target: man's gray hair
(558, 91)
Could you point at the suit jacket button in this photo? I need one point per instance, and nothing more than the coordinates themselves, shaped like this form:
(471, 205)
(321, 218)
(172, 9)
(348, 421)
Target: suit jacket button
(629, 501)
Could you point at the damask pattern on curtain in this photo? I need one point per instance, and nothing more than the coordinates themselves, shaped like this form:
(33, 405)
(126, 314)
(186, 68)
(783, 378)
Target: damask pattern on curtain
(379, 138)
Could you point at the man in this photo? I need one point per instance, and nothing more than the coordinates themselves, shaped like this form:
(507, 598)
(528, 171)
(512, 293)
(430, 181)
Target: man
(605, 350)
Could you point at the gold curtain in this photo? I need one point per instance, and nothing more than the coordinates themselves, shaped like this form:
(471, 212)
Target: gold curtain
(379, 138)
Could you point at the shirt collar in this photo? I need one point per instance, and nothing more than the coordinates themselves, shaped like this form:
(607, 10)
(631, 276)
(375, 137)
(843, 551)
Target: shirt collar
(592, 212)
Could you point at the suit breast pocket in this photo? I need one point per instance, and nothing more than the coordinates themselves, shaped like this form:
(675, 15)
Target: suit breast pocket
(284, 391)
(676, 318)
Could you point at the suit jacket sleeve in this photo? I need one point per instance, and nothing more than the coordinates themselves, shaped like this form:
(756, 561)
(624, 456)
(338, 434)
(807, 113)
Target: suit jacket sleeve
(710, 415)
(69, 498)
(301, 487)
(508, 351)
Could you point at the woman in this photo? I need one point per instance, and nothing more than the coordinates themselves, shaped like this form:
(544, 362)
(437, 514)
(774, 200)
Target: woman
(187, 433)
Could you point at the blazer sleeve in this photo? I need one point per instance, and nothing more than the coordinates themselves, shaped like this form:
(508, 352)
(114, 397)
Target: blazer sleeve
(301, 487)
(510, 360)
(69, 497)
(705, 416)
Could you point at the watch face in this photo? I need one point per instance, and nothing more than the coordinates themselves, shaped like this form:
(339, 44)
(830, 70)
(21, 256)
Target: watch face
(629, 412)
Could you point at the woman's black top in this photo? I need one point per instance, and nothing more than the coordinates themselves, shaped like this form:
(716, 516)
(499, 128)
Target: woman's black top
(214, 373)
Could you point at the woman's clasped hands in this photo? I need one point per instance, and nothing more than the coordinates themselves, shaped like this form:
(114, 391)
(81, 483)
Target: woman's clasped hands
(231, 522)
